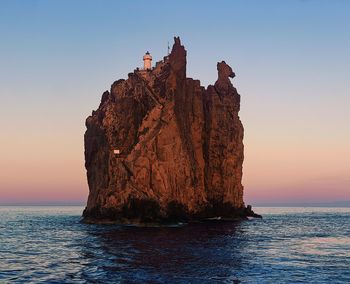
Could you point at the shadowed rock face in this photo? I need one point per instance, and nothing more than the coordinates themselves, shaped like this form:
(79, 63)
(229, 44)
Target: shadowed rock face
(181, 149)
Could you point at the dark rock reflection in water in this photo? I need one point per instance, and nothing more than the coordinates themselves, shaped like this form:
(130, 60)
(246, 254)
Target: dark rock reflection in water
(290, 245)
(171, 253)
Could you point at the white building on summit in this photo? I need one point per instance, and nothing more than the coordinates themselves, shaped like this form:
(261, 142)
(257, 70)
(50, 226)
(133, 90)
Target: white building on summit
(147, 61)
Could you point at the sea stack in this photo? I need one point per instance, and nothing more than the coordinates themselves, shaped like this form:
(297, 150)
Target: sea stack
(162, 148)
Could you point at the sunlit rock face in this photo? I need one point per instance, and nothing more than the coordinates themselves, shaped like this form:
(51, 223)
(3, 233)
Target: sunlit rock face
(161, 147)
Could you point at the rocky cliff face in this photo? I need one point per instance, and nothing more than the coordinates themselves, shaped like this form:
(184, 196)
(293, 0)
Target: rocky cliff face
(161, 147)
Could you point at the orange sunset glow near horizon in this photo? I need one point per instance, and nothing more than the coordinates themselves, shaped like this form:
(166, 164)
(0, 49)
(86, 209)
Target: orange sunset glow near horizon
(293, 78)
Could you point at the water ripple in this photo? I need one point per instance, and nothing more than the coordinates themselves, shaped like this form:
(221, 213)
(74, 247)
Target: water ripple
(50, 245)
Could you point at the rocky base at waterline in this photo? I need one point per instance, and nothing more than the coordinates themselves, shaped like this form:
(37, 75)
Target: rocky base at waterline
(162, 148)
(148, 212)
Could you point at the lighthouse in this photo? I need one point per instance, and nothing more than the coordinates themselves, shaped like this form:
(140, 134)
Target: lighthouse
(147, 61)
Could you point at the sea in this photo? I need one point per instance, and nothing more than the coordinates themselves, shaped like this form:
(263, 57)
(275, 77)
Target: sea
(48, 244)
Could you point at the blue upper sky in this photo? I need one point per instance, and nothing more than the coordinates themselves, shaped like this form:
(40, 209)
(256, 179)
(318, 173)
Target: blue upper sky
(291, 59)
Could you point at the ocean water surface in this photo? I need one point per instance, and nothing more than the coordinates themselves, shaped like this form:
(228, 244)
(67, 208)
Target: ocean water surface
(289, 245)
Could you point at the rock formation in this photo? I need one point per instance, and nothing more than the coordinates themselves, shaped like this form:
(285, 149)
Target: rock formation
(161, 147)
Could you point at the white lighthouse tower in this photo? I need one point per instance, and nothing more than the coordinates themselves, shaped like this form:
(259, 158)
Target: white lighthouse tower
(147, 61)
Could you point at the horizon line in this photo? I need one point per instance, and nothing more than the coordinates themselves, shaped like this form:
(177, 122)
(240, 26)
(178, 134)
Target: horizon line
(339, 203)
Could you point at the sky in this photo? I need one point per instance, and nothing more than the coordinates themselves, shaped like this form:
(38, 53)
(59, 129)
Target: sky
(292, 65)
